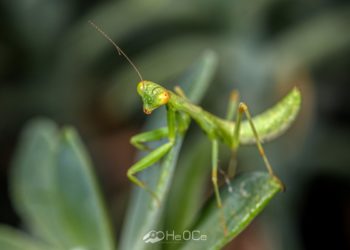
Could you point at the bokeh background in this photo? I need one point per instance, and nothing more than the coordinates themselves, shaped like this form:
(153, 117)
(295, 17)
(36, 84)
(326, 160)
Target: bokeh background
(54, 64)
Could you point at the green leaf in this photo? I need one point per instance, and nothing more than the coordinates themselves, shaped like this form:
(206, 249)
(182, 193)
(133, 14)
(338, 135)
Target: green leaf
(142, 215)
(11, 239)
(55, 191)
(32, 179)
(252, 192)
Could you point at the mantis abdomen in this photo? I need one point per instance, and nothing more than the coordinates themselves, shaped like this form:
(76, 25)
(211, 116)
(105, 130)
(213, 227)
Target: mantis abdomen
(269, 124)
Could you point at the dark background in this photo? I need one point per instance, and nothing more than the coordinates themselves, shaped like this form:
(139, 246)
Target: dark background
(54, 64)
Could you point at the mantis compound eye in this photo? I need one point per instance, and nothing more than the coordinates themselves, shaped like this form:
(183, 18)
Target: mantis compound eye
(141, 87)
(164, 97)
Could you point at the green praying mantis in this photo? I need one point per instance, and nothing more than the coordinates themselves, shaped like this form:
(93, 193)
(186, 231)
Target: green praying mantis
(232, 131)
(263, 127)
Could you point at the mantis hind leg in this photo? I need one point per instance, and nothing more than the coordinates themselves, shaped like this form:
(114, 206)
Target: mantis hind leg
(243, 109)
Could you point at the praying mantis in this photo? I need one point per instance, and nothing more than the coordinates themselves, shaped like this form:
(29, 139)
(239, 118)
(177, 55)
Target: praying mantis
(263, 127)
(231, 131)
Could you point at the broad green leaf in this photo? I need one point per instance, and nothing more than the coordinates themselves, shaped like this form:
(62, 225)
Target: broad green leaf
(32, 178)
(55, 191)
(251, 193)
(142, 215)
(12, 239)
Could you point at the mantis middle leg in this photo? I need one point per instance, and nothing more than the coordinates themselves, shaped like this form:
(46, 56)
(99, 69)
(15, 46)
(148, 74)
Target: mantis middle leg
(215, 155)
(230, 115)
(214, 173)
(232, 105)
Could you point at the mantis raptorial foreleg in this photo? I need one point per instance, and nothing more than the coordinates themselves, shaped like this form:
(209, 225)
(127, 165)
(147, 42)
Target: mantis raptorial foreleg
(156, 154)
(139, 140)
(146, 162)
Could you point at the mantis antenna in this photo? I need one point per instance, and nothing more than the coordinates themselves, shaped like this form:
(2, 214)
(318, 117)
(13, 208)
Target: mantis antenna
(119, 50)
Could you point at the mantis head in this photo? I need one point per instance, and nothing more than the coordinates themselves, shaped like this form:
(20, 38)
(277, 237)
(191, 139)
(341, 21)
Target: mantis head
(153, 95)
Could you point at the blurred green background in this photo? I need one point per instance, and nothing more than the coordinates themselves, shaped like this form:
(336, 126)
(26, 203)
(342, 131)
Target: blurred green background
(54, 64)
